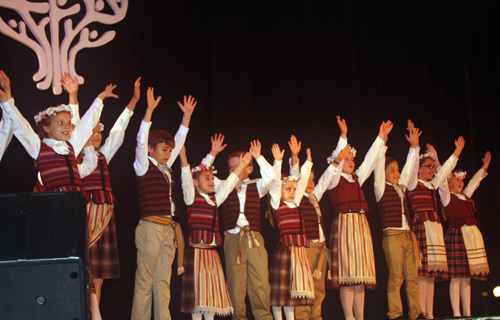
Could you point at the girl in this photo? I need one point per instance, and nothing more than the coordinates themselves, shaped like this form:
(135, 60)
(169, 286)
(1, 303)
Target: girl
(464, 242)
(290, 276)
(103, 253)
(353, 265)
(56, 146)
(426, 224)
(204, 287)
(398, 243)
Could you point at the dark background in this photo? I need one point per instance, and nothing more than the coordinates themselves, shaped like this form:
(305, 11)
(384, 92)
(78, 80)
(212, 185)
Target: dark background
(268, 69)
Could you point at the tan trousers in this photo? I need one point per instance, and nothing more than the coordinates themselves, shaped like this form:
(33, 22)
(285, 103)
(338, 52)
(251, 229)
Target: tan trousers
(314, 311)
(251, 275)
(400, 258)
(155, 254)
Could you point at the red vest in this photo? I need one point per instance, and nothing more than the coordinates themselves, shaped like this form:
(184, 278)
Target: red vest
(203, 221)
(58, 172)
(231, 209)
(97, 184)
(390, 208)
(460, 212)
(310, 218)
(154, 193)
(347, 197)
(423, 202)
(291, 226)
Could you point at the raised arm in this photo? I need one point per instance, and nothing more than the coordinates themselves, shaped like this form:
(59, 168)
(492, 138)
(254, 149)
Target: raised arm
(413, 140)
(187, 108)
(305, 171)
(268, 176)
(180, 136)
(6, 122)
(449, 165)
(480, 175)
(379, 175)
(275, 191)
(227, 187)
(186, 178)
(332, 171)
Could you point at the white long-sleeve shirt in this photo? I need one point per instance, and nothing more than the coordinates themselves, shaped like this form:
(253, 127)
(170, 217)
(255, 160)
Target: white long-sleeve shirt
(440, 177)
(275, 191)
(5, 134)
(467, 192)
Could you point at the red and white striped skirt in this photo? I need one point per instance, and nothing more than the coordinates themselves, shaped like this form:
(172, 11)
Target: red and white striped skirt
(98, 216)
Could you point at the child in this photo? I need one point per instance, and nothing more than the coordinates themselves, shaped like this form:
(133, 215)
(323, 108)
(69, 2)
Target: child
(103, 253)
(204, 288)
(290, 276)
(157, 235)
(313, 223)
(245, 255)
(464, 242)
(5, 123)
(353, 265)
(426, 224)
(398, 243)
(56, 146)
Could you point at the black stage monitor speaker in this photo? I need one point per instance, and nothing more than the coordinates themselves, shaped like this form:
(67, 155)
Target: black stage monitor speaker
(44, 256)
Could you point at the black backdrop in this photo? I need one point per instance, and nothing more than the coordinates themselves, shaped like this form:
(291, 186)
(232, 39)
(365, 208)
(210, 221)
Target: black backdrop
(268, 69)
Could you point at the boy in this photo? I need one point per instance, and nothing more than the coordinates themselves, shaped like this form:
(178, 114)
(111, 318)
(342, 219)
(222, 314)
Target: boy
(157, 235)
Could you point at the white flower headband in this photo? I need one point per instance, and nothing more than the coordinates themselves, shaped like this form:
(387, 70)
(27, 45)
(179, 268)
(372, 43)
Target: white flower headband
(457, 174)
(289, 178)
(331, 158)
(51, 111)
(428, 155)
(100, 127)
(203, 167)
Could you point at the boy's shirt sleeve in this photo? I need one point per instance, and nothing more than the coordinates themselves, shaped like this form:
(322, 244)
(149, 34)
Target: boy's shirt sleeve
(180, 138)
(83, 131)
(116, 135)
(141, 163)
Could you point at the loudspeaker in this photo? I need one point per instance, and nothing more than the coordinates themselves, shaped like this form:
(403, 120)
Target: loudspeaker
(44, 271)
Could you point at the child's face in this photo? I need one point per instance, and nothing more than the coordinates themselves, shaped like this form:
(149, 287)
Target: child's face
(234, 162)
(60, 127)
(392, 173)
(205, 182)
(349, 164)
(161, 153)
(96, 140)
(426, 171)
(456, 185)
(310, 184)
(288, 191)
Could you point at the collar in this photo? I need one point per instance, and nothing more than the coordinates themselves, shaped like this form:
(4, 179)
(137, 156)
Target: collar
(59, 147)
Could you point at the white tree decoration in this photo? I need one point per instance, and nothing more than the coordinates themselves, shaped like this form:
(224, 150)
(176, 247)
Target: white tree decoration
(56, 56)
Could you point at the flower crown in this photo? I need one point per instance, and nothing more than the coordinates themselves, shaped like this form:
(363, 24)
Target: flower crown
(330, 159)
(457, 174)
(203, 167)
(51, 111)
(289, 178)
(428, 155)
(100, 127)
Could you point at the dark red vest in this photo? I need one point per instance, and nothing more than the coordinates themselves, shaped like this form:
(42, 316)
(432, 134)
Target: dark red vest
(58, 172)
(347, 197)
(390, 208)
(203, 221)
(291, 226)
(310, 218)
(231, 209)
(154, 193)
(97, 185)
(423, 202)
(460, 212)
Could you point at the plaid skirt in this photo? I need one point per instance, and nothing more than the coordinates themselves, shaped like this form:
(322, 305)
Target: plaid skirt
(419, 229)
(103, 255)
(204, 288)
(280, 280)
(458, 263)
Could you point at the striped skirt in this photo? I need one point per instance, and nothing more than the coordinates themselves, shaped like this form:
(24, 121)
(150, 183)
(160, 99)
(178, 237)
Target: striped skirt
(204, 288)
(458, 262)
(423, 271)
(103, 255)
(280, 279)
(98, 216)
(351, 249)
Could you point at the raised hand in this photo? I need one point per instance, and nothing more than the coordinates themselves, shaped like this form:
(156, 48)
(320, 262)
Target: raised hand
(411, 126)
(69, 84)
(277, 152)
(255, 149)
(342, 127)
(245, 159)
(460, 143)
(342, 154)
(152, 102)
(413, 138)
(385, 129)
(295, 145)
(308, 152)
(486, 160)
(217, 144)
(108, 92)
(5, 84)
(136, 96)
(188, 106)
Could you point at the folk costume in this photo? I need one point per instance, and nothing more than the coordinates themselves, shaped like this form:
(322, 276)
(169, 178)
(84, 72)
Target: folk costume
(399, 242)
(203, 283)
(157, 236)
